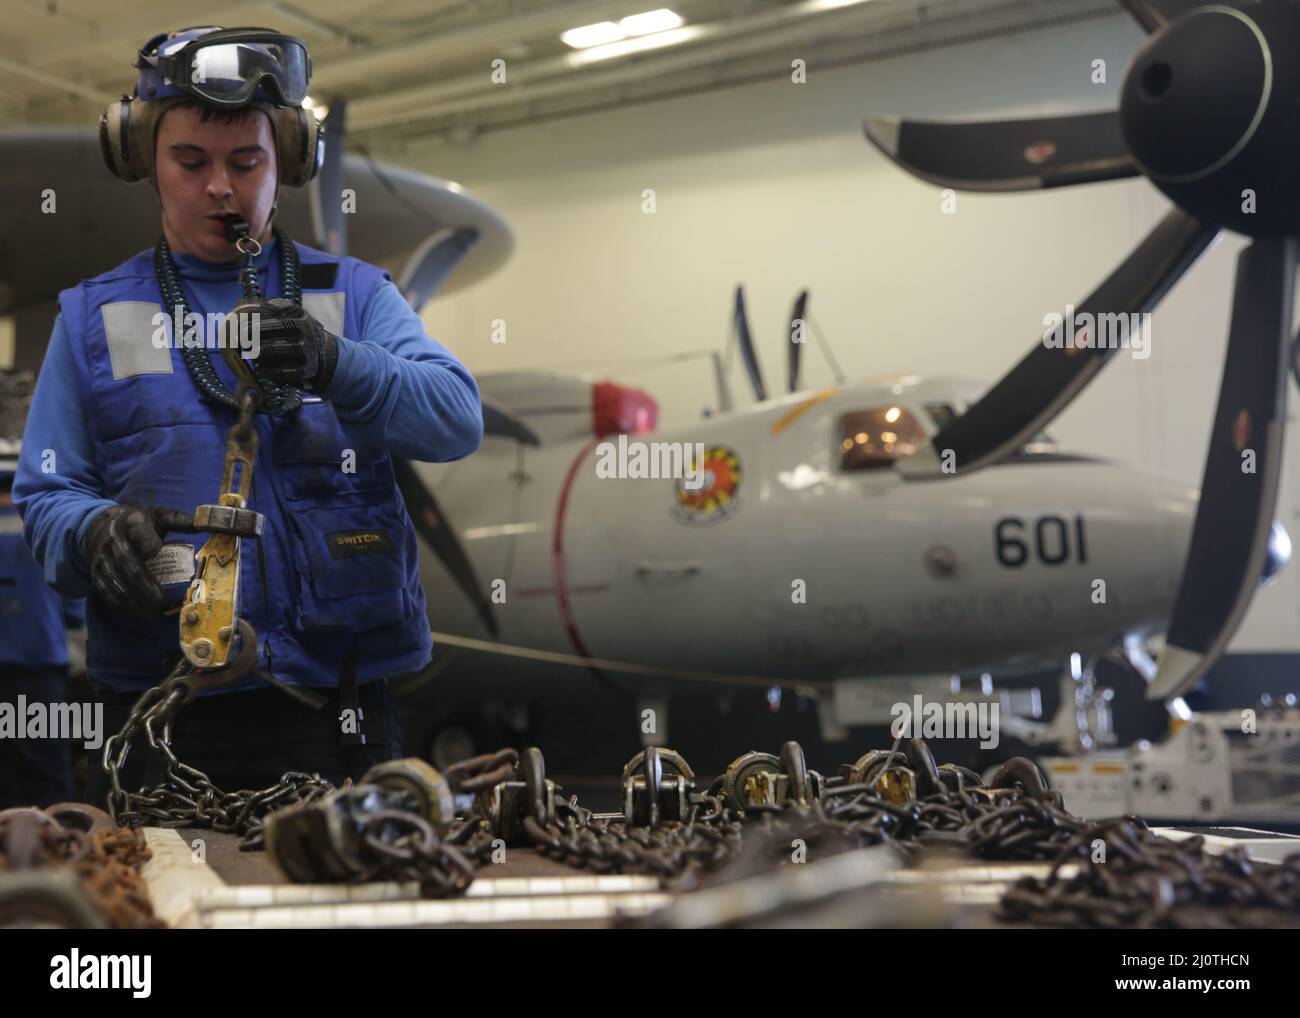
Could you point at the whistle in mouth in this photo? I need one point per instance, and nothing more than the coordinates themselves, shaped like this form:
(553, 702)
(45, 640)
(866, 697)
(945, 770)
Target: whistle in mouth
(235, 226)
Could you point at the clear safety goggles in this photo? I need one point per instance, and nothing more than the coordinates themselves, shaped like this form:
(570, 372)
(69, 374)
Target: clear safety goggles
(227, 67)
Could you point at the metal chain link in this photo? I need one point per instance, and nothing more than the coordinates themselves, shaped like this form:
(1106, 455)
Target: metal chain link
(1127, 876)
(105, 860)
(404, 847)
(186, 797)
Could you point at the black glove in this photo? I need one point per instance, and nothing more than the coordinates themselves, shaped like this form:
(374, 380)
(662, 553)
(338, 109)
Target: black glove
(119, 543)
(295, 348)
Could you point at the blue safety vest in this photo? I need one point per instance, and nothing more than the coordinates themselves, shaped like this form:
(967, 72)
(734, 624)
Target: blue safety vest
(336, 571)
(32, 622)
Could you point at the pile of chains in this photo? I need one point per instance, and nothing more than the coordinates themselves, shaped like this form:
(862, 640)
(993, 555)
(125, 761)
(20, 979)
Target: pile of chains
(671, 851)
(398, 823)
(903, 800)
(659, 833)
(406, 822)
(444, 825)
(746, 821)
(70, 866)
(186, 797)
(1116, 873)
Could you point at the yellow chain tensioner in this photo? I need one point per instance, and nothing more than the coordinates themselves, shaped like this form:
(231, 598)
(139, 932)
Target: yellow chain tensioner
(210, 613)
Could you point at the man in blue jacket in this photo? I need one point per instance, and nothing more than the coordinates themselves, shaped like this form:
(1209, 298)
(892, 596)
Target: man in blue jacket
(34, 771)
(128, 428)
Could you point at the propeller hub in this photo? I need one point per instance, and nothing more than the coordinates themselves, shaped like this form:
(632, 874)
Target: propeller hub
(1209, 112)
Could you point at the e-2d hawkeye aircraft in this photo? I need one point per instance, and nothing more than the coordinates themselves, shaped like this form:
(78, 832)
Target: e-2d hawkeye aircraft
(804, 559)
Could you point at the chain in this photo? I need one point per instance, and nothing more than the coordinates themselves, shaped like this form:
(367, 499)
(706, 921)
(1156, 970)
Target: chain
(398, 824)
(745, 822)
(404, 847)
(277, 399)
(186, 797)
(1126, 876)
(1137, 879)
(1022, 821)
(670, 851)
(105, 861)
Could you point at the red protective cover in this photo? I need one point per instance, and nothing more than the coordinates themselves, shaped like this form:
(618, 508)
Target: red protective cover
(619, 410)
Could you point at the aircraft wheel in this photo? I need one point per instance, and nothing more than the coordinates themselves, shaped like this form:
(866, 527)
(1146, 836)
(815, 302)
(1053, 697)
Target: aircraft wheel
(450, 744)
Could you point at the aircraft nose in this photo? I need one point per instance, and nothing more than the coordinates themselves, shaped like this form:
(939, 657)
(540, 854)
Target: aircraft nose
(1173, 510)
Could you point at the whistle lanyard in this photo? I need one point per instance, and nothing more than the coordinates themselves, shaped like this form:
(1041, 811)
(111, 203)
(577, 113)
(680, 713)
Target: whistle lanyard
(276, 399)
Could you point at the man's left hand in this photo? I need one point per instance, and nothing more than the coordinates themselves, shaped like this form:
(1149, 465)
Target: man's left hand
(293, 348)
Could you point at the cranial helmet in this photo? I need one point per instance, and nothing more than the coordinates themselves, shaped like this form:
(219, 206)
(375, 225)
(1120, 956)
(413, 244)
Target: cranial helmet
(220, 68)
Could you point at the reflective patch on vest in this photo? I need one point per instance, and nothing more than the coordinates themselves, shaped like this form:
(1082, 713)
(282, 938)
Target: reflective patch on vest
(129, 326)
(350, 543)
(326, 308)
(11, 523)
(174, 563)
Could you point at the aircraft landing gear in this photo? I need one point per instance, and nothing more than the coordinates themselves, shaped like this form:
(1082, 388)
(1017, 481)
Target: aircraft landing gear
(467, 732)
(1083, 721)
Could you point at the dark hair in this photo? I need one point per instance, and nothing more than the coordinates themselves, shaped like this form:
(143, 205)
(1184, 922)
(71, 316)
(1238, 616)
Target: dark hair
(207, 113)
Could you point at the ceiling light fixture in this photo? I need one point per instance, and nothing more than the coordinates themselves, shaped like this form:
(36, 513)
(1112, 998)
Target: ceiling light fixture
(634, 26)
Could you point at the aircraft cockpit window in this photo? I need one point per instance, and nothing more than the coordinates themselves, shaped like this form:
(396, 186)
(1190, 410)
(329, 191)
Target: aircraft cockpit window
(942, 414)
(875, 438)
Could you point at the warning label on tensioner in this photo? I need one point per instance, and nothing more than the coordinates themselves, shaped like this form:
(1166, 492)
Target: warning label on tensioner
(173, 564)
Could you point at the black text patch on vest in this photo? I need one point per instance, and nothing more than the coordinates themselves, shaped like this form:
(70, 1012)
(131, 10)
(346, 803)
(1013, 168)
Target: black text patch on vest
(350, 543)
(318, 275)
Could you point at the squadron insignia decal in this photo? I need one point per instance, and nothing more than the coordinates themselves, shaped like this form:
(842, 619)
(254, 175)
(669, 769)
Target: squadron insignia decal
(715, 499)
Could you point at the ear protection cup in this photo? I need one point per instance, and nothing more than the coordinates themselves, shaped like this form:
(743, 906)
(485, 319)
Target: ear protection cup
(299, 143)
(127, 131)
(122, 153)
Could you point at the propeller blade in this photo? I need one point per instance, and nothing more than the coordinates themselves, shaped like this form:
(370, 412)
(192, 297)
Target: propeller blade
(1049, 377)
(1007, 155)
(724, 390)
(1234, 521)
(327, 215)
(1155, 14)
(437, 532)
(433, 261)
(1144, 13)
(747, 347)
(798, 336)
(497, 420)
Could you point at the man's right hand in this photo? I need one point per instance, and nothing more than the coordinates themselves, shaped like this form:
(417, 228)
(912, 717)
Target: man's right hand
(119, 543)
